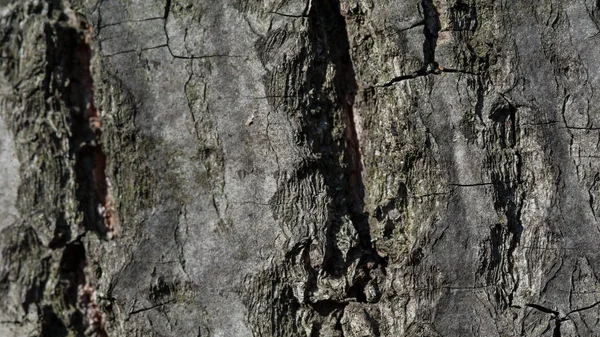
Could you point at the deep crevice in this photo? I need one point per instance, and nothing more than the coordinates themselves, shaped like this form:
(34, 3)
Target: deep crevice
(78, 293)
(431, 32)
(74, 54)
(167, 10)
(346, 87)
(330, 25)
(51, 324)
(70, 52)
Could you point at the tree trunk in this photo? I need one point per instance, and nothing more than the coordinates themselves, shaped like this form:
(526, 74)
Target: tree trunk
(299, 168)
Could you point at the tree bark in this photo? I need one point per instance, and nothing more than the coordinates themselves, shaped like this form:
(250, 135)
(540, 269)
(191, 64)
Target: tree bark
(299, 168)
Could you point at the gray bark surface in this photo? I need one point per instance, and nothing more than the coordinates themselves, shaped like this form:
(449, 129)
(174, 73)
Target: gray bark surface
(299, 168)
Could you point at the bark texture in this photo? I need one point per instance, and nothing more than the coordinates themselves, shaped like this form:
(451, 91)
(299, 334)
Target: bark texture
(299, 168)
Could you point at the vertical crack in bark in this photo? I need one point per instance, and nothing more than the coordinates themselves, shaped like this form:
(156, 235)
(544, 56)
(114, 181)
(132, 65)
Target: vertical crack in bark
(167, 10)
(345, 87)
(77, 291)
(353, 130)
(82, 85)
(430, 30)
(74, 54)
(329, 17)
(109, 224)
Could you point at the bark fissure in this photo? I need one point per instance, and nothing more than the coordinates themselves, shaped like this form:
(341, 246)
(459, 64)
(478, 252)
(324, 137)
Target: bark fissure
(424, 72)
(94, 189)
(87, 134)
(430, 31)
(346, 89)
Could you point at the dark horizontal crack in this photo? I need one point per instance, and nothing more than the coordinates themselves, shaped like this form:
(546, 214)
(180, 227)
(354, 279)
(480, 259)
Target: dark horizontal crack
(483, 183)
(404, 78)
(583, 308)
(542, 309)
(424, 72)
(457, 288)
(129, 21)
(414, 25)
(582, 128)
(540, 123)
(198, 57)
(191, 57)
(471, 185)
(137, 311)
(557, 314)
(271, 96)
(430, 194)
(460, 71)
(119, 53)
(296, 16)
(568, 127)
(12, 322)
